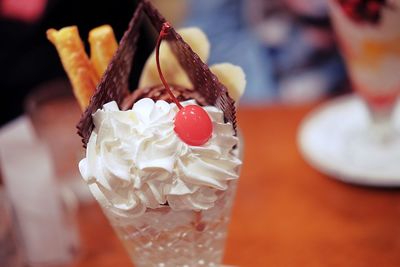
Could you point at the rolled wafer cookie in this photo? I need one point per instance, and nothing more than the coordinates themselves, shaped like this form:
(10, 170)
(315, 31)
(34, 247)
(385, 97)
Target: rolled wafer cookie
(76, 63)
(102, 47)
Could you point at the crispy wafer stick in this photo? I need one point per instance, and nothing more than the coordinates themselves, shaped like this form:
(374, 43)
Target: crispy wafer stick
(102, 47)
(76, 63)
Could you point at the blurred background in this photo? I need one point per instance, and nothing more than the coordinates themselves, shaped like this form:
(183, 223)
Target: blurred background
(288, 51)
(285, 47)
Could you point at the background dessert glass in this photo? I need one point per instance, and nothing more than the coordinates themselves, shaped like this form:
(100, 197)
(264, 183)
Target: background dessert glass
(368, 33)
(165, 237)
(53, 111)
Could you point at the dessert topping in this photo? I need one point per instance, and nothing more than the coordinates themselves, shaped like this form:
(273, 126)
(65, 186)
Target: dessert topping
(192, 123)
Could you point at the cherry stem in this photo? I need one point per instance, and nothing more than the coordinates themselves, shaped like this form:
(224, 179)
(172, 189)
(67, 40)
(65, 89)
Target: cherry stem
(163, 33)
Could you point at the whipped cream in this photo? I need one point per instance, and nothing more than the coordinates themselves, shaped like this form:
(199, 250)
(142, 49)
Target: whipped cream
(134, 159)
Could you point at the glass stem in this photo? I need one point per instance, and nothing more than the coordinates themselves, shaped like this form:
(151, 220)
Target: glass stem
(381, 126)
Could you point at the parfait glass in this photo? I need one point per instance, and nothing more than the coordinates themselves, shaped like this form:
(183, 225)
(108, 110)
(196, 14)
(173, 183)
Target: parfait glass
(164, 237)
(368, 33)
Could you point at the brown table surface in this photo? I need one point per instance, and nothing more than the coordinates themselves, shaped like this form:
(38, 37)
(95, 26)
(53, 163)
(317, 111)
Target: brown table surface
(286, 213)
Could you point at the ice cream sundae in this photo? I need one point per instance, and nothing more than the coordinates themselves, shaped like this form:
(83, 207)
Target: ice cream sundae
(162, 161)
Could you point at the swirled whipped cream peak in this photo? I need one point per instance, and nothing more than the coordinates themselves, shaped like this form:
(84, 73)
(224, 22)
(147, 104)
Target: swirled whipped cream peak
(135, 160)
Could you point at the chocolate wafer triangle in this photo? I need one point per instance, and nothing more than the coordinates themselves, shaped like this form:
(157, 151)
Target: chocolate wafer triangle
(115, 81)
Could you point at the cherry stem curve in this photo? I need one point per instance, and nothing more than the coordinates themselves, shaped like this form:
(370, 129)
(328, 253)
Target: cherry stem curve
(163, 33)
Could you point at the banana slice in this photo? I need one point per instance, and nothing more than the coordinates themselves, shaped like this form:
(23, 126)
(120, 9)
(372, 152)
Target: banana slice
(197, 40)
(76, 63)
(232, 77)
(172, 70)
(102, 47)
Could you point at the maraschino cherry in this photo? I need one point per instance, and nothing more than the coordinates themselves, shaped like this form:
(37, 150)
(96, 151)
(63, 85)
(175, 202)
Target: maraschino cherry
(192, 123)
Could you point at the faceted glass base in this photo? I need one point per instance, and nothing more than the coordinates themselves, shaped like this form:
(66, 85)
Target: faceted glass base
(164, 237)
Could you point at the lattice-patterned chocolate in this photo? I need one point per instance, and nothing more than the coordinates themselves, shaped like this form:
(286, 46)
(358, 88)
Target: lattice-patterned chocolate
(114, 84)
(115, 81)
(158, 92)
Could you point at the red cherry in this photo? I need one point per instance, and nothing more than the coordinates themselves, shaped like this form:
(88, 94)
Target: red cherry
(193, 125)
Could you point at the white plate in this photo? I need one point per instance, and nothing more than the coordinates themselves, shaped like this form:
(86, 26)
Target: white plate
(323, 141)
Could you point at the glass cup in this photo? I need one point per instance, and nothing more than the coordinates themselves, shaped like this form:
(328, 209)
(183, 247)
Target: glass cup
(45, 215)
(10, 247)
(165, 237)
(368, 33)
(54, 113)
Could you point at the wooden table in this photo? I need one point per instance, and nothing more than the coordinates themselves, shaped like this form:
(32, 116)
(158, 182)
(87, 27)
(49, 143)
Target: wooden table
(286, 213)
